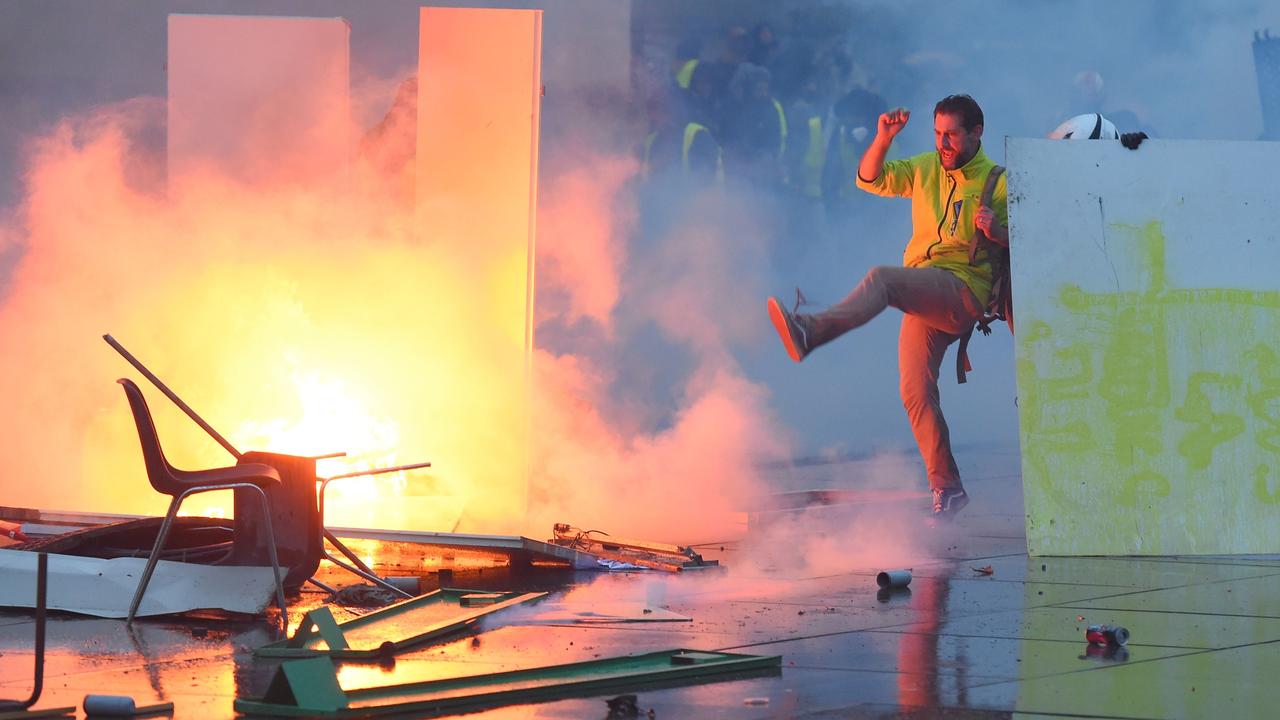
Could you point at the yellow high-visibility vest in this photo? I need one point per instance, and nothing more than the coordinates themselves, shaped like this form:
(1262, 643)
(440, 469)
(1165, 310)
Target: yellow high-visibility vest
(782, 123)
(848, 166)
(684, 75)
(645, 161)
(690, 132)
(815, 158)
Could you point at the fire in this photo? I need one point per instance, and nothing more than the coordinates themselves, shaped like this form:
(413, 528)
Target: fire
(306, 314)
(333, 418)
(296, 320)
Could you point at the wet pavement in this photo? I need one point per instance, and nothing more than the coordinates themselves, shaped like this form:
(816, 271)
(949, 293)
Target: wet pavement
(957, 643)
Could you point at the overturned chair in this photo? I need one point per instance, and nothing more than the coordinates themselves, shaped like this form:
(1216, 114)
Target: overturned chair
(179, 484)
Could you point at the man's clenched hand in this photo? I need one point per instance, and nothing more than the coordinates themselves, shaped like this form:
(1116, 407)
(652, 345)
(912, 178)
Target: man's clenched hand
(985, 220)
(892, 122)
(1132, 140)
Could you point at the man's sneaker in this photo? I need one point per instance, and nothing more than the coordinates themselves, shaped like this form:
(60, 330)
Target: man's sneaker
(948, 501)
(791, 328)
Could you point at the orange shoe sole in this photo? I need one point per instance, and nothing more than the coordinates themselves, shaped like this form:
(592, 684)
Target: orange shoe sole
(777, 315)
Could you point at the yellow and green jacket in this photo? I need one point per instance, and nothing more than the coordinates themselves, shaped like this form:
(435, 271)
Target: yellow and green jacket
(943, 205)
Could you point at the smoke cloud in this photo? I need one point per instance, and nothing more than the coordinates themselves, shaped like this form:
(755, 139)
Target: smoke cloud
(309, 318)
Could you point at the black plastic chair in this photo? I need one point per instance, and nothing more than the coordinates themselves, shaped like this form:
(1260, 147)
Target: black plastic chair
(180, 483)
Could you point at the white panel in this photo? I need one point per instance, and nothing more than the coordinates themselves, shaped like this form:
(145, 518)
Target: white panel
(479, 82)
(1148, 345)
(104, 588)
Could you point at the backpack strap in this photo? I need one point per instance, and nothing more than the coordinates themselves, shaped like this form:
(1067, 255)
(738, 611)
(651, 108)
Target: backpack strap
(988, 191)
(962, 357)
(979, 239)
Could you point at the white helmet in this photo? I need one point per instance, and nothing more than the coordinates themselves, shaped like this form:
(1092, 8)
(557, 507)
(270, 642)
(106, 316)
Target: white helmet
(1090, 126)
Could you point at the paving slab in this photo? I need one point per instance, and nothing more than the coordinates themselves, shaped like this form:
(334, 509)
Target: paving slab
(1254, 597)
(1235, 683)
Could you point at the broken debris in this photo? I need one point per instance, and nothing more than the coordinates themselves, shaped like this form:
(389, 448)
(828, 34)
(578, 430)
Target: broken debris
(383, 632)
(637, 553)
(310, 687)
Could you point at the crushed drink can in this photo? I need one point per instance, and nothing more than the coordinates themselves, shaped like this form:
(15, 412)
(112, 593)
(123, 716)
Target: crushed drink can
(1106, 635)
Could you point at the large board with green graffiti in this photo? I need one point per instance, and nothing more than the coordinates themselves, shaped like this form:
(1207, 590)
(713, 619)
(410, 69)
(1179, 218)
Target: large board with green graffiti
(1147, 300)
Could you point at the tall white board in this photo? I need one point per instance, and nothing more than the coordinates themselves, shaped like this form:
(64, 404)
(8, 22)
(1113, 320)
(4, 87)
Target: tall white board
(1147, 299)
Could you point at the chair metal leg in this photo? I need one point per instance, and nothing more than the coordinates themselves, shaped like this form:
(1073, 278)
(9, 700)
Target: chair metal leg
(342, 548)
(371, 577)
(275, 562)
(322, 586)
(359, 568)
(168, 523)
(155, 556)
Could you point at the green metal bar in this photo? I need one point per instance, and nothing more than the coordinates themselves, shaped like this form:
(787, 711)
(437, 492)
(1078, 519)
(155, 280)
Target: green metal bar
(437, 614)
(666, 668)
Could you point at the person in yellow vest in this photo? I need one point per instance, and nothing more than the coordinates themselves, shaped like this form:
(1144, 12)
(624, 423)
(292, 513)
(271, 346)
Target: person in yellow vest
(701, 158)
(803, 161)
(662, 182)
(755, 131)
(854, 117)
(688, 56)
(807, 131)
(656, 151)
(940, 289)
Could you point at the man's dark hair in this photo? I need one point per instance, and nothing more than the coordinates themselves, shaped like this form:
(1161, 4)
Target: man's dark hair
(963, 106)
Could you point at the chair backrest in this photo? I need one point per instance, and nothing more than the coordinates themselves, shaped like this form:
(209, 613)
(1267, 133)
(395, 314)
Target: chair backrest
(159, 471)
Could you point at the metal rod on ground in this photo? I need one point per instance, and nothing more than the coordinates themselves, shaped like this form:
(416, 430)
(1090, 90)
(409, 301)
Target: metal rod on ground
(37, 685)
(322, 586)
(173, 396)
(370, 576)
(358, 567)
(42, 610)
(347, 551)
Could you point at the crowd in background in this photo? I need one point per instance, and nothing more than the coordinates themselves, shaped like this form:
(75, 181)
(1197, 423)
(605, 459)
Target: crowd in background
(779, 121)
(782, 125)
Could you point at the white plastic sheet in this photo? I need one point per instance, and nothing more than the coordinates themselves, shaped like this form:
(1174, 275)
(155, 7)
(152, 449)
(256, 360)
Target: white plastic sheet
(104, 588)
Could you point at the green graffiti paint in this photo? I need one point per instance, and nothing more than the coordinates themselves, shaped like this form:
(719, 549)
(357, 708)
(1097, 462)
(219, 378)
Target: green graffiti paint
(1129, 398)
(1208, 429)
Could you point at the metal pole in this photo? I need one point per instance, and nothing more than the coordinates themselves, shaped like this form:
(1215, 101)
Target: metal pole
(378, 471)
(173, 396)
(42, 608)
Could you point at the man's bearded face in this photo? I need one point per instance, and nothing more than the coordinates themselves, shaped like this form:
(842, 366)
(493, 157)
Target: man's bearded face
(956, 146)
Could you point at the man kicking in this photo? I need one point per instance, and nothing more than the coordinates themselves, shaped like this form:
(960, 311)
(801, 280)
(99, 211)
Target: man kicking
(940, 288)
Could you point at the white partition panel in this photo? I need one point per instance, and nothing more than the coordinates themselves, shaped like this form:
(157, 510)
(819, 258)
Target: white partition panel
(479, 98)
(1148, 345)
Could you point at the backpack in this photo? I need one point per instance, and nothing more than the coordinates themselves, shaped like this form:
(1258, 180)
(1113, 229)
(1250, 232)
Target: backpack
(1000, 305)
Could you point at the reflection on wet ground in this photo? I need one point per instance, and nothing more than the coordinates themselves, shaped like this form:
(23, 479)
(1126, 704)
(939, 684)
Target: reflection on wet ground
(957, 643)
